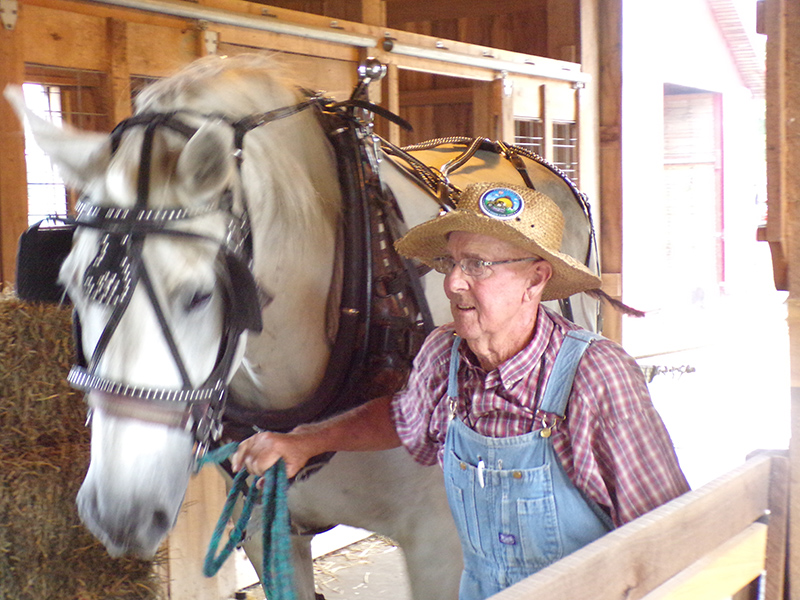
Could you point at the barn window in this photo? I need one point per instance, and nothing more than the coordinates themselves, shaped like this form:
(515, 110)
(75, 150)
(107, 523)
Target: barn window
(60, 96)
(47, 195)
(529, 133)
(565, 148)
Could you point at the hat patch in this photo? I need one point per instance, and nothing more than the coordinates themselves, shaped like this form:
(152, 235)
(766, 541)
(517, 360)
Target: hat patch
(501, 203)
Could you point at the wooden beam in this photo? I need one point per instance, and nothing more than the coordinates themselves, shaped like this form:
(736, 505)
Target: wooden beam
(631, 561)
(13, 177)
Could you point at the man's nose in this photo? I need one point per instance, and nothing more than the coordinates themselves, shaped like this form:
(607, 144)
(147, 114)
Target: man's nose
(455, 280)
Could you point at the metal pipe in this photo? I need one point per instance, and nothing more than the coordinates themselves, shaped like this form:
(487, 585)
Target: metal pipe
(486, 62)
(215, 15)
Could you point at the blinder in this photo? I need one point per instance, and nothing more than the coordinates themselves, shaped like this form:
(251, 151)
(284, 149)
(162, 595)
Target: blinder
(246, 297)
(40, 254)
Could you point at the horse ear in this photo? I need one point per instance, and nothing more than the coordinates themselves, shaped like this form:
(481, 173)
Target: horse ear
(80, 156)
(205, 162)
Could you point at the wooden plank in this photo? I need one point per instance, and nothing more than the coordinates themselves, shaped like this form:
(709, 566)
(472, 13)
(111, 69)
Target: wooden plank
(483, 113)
(13, 178)
(459, 95)
(528, 97)
(111, 12)
(64, 39)
(560, 104)
(399, 12)
(255, 39)
(373, 12)
(434, 67)
(722, 573)
(156, 51)
(778, 528)
(189, 539)
(631, 561)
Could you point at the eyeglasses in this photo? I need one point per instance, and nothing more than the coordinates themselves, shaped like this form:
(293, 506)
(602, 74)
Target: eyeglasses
(474, 267)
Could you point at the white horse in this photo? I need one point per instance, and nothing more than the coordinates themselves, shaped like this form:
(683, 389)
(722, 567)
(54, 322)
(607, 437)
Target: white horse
(173, 331)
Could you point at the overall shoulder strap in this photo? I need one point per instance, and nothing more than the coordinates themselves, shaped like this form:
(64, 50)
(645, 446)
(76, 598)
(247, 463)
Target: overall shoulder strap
(452, 380)
(559, 384)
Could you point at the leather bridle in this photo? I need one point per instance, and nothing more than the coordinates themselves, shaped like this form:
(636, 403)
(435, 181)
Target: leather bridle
(118, 269)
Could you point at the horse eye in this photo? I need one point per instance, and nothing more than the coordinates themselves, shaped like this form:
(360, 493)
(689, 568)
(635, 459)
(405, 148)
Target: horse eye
(198, 300)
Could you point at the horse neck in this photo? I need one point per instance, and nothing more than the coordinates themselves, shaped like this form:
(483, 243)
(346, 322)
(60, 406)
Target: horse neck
(292, 190)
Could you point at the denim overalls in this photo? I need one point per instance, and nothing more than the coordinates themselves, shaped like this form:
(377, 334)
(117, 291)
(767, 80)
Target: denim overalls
(514, 506)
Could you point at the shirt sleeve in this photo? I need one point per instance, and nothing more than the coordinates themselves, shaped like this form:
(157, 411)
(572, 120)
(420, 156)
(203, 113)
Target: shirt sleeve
(622, 455)
(423, 399)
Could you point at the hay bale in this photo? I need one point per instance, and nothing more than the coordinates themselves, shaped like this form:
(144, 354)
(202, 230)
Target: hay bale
(45, 552)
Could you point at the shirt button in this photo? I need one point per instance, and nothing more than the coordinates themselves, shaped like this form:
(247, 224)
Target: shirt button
(516, 474)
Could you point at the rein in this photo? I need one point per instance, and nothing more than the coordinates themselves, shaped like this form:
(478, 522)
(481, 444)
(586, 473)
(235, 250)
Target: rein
(277, 571)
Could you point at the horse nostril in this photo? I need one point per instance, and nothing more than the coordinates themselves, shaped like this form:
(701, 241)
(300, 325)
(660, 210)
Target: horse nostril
(161, 521)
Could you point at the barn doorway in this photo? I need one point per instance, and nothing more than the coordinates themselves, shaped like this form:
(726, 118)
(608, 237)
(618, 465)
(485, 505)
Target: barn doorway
(693, 194)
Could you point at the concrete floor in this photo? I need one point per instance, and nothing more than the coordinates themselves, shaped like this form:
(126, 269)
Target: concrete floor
(366, 569)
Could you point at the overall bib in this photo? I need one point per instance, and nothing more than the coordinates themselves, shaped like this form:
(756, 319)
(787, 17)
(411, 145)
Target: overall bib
(515, 509)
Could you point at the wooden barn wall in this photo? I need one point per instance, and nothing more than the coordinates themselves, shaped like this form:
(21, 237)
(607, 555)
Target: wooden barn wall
(124, 48)
(548, 28)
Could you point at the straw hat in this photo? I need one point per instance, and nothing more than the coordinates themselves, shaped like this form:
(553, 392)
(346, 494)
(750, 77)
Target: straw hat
(524, 217)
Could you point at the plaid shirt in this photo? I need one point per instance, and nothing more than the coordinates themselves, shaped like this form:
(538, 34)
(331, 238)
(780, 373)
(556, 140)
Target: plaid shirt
(613, 444)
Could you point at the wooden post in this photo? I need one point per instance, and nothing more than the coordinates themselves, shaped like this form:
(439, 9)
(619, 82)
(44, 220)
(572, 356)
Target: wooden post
(391, 99)
(13, 177)
(609, 88)
(119, 77)
(783, 228)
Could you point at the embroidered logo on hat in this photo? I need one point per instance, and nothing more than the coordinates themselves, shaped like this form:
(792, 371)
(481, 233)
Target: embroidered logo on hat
(501, 203)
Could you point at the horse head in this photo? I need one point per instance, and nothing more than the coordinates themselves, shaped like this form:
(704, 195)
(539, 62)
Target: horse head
(159, 275)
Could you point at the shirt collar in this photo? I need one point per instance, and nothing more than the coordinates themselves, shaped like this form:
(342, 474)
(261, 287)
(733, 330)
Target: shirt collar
(523, 362)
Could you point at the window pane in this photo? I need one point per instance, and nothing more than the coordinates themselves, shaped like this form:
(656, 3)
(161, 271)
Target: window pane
(529, 133)
(565, 149)
(47, 195)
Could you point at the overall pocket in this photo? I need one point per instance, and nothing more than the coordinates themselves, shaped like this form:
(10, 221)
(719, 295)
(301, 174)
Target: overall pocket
(529, 505)
(460, 482)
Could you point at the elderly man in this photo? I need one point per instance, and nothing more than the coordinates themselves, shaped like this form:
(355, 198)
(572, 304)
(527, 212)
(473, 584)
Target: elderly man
(546, 432)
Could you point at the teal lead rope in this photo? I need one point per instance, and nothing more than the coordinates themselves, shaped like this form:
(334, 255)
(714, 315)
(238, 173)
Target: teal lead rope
(277, 574)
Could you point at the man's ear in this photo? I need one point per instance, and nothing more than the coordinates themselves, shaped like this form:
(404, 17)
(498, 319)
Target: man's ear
(541, 273)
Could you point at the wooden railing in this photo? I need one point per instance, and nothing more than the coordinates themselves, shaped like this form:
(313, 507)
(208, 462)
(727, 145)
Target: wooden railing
(716, 542)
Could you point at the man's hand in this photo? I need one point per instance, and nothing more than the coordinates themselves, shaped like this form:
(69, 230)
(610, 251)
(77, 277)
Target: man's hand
(259, 452)
(367, 427)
